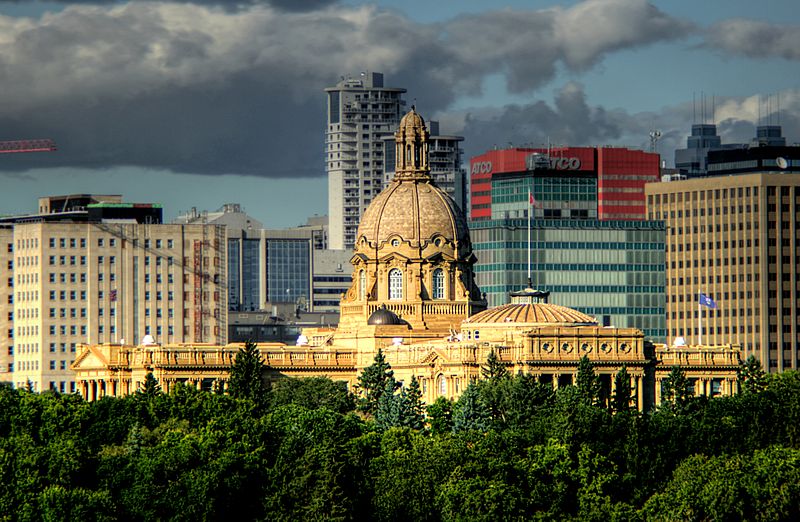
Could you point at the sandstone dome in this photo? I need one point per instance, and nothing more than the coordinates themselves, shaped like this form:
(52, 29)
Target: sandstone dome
(532, 314)
(416, 212)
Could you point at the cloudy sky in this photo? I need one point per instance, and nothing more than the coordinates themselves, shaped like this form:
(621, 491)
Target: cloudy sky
(199, 103)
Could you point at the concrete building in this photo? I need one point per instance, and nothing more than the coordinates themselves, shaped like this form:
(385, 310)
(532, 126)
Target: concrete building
(445, 160)
(736, 239)
(706, 155)
(413, 296)
(76, 275)
(361, 111)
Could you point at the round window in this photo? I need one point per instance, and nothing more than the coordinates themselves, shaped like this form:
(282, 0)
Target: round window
(395, 242)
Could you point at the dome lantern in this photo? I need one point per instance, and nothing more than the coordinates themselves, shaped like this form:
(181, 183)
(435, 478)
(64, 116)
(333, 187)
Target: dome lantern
(411, 148)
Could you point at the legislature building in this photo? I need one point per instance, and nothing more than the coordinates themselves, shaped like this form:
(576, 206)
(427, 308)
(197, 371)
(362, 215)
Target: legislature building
(414, 296)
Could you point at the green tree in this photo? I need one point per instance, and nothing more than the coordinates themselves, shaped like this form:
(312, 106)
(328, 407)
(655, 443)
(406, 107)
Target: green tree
(751, 376)
(470, 412)
(412, 411)
(312, 393)
(247, 375)
(440, 416)
(623, 392)
(676, 388)
(151, 387)
(389, 410)
(587, 382)
(494, 369)
(373, 383)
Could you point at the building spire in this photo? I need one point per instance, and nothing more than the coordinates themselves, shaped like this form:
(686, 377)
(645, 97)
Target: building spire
(411, 146)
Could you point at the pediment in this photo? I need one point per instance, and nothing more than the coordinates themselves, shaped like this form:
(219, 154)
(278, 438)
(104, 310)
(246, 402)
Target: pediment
(358, 257)
(434, 356)
(438, 256)
(90, 359)
(394, 256)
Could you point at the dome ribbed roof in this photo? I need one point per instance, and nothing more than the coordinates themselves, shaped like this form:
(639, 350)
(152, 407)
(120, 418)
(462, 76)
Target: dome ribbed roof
(533, 314)
(415, 212)
(410, 122)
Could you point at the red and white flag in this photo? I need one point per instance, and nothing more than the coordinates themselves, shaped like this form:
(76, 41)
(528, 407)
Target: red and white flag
(531, 199)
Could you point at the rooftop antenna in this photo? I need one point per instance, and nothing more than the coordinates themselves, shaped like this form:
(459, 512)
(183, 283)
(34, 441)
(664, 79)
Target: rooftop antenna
(713, 109)
(655, 135)
(694, 108)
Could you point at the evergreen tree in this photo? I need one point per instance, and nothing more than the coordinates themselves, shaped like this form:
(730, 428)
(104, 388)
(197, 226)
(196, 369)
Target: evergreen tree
(587, 382)
(150, 388)
(412, 412)
(494, 369)
(470, 413)
(676, 388)
(247, 375)
(751, 376)
(623, 393)
(373, 382)
(440, 416)
(389, 409)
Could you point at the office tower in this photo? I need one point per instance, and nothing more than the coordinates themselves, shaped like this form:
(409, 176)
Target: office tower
(361, 111)
(267, 267)
(590, 244)
(91, 269)
(736, 239)
(605, 183)
(445, 157)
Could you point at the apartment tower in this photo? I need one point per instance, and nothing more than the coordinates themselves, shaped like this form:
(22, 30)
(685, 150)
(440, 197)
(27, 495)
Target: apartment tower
(361, 111)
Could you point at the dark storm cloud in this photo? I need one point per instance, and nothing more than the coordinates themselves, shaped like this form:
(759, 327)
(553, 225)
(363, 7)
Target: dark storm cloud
(755, 39)
(203, 90)
(285, 5)
(570, 120)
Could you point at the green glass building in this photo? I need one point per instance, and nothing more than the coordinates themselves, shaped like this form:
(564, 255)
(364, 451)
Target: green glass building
(612, 270)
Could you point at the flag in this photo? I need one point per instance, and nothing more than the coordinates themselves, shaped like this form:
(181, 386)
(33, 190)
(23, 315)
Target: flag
(112, 296)
(706, 300)
(531, 199)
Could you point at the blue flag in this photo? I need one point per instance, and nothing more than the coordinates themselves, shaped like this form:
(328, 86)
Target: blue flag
(706, 300)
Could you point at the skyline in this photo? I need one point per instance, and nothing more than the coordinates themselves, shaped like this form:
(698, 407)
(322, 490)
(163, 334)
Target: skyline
(230, 107)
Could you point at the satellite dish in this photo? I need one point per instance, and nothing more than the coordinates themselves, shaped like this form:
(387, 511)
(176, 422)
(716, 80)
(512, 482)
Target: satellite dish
(679, 341)
(148, 340)
(782, 163)
(302, 340)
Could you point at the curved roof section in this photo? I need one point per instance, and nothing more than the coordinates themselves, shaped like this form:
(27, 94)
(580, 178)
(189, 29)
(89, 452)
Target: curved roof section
(415, 212)
(544, 314)
(384, 316)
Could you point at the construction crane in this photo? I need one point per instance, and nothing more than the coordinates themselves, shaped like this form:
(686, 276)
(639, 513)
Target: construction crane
(45, 145)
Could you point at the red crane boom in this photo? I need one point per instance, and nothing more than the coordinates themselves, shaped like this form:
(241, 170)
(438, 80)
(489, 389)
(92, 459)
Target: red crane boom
(46, 145)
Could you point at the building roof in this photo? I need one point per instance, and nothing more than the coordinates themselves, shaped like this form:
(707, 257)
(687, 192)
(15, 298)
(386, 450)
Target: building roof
(544, 314)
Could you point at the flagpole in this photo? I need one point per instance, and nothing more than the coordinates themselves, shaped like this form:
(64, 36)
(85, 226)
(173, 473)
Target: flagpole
(530, 211)
(700, 322)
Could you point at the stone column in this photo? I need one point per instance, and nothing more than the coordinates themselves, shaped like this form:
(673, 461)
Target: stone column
(639, 394)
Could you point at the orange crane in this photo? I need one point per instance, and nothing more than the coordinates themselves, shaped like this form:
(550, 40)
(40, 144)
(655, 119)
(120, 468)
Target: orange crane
(46, 145)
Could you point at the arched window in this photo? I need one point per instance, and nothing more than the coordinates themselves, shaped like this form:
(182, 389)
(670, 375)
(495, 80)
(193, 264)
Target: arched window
(362, 285)
(395, 284)
(438, 284)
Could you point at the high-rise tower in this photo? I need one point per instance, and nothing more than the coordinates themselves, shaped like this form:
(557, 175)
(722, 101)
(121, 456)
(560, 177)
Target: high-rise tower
(361, 111)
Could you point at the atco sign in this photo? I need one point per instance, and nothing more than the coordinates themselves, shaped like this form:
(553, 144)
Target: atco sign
(565, 163)
(482, 167)
(541, 161)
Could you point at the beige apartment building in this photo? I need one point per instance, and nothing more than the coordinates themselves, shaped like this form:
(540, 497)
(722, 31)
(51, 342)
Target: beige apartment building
(736, 239)
(113, 280)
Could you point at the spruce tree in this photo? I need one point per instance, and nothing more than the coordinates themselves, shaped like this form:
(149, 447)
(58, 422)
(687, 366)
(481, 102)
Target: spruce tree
(751, 376)
(412, 413)
(676, 388)
(622, 391)
(440, 416)
(470, 413)
(587, 382)
(388, 411)
(494, 369)
(150, 387)
(247, 375)
(373, 382)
